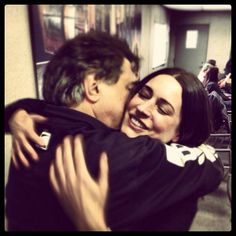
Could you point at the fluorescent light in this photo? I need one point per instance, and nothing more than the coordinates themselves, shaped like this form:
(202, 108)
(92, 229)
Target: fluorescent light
(216, 7)
(209, 7)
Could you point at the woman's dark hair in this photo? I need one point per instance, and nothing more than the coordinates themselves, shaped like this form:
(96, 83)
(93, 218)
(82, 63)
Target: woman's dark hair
(195, 125)
(97, 53)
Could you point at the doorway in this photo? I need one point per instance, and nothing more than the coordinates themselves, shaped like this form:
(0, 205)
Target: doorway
(191, 47)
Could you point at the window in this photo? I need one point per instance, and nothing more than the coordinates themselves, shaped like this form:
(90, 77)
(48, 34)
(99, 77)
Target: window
(191, 39)
(160, 45)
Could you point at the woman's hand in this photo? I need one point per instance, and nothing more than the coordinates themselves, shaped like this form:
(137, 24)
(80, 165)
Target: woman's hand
(22, 129)
(82, 197)
(227, 80)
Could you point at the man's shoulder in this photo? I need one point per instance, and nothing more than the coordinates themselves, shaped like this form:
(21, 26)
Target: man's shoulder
(139, 148)
(144, 141)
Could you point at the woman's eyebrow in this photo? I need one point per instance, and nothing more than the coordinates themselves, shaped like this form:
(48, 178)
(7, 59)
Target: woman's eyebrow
(148, 88)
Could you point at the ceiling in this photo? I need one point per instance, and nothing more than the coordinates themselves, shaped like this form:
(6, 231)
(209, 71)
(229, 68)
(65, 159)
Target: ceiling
(209, 7)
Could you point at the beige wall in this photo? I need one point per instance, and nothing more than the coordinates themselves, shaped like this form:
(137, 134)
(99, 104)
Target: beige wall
(19, 75)
(151, 14)
(219, 43)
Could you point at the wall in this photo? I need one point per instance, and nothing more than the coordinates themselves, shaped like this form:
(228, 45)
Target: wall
(151, 14)
(145, 37)
(19, 74)
(219, 43)
(19, 77)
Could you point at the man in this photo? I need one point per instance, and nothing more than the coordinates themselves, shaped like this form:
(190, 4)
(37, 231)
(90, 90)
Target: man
(87, 84)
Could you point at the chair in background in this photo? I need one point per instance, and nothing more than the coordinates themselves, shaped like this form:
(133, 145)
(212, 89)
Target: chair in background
(221, 141)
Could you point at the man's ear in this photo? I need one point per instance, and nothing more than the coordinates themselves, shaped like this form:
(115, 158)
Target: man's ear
(91, 88)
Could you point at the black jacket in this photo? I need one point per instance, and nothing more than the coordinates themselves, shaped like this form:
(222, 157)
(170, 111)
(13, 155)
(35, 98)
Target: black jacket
(152, 186)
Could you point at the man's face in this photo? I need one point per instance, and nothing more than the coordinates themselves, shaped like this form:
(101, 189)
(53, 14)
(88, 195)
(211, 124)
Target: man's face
(113, 98)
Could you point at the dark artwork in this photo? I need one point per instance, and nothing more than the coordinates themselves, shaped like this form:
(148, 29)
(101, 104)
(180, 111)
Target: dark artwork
(52, 25)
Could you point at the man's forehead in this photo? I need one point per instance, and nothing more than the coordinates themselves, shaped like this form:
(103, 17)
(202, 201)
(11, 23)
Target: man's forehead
(134, 67)
(131, 65)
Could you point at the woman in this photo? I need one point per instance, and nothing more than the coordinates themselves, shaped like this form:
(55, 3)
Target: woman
(165, 113)
(210, 82)
(171, 93)
(154, 111)
(211, 75)
(219, 101)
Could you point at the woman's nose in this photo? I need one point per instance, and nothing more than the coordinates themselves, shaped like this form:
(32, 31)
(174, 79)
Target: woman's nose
(145, 108)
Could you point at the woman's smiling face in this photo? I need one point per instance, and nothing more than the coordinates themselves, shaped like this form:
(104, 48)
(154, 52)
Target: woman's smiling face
(155, 110)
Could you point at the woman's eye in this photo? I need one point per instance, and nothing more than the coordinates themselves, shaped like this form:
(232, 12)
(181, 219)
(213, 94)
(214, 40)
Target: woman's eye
(145, 93)
(163, 111)
(164, 108)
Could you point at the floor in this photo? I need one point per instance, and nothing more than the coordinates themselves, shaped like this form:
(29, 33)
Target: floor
(214, 210)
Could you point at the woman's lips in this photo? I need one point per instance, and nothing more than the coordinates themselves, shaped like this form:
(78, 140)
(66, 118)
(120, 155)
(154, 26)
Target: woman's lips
(136, 124)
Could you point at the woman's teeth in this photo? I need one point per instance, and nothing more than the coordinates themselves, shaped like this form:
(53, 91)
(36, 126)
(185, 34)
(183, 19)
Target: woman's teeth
(138, 123)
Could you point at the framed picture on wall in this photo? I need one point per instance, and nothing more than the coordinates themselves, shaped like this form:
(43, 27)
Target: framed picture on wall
(52, 25)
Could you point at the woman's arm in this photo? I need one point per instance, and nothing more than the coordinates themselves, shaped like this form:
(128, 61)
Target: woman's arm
(82, 197)
(29, 105)
(21, 125)
(227, 80)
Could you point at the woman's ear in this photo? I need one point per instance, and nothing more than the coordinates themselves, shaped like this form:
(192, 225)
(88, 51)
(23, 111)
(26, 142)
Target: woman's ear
(176, 138)
(91, 88)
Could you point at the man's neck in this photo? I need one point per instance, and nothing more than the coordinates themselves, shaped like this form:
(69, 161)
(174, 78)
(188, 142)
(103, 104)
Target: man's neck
(84, 108)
